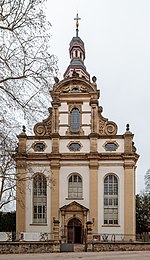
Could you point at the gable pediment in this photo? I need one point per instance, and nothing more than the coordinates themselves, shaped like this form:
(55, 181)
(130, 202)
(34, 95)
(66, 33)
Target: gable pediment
(74, 206)
(67, 85)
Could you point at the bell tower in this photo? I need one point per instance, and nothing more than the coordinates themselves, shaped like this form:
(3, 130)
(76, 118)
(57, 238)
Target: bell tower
(77, 56)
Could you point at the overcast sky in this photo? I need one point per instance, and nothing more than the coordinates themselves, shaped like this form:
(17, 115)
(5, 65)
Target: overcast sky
(116, 34)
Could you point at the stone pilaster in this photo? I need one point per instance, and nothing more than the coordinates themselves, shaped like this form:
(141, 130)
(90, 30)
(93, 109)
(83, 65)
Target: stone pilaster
(130, 159)
(55, 109)
(56, 246)
(94, 192)
(55, 166)
(89, 235)
(84, 219)
(94, 115)
(20, 196)
(22, 142)
(55, 123)
(55, 143)
(63, 226)
(93, 143)
(128, 137)
(20, 158)
(56, 230)
(93, 164)
(129, 200)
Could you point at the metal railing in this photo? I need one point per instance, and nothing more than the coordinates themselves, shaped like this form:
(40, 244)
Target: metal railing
(99, 237)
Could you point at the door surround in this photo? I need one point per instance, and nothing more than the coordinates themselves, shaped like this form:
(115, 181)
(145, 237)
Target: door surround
(74, 210)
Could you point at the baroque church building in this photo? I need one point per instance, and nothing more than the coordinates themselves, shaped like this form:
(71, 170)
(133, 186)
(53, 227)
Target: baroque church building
(76, 168)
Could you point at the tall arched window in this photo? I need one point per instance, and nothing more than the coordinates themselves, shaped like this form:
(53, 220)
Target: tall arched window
(75, 120)
(111, 200)
(39, 199)
(75, 186)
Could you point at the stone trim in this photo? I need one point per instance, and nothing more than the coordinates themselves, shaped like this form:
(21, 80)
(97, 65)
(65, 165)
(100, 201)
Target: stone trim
(38, 142)
(112, 142)
(75, 142)
(74, 198)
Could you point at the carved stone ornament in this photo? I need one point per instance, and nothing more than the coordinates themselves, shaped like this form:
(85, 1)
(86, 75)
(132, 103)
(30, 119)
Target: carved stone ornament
(45, 127)
(83, 89)
(101, 126)
(67, 86)
(66, 89)
(73, 206)
(102, 123)
(75, 89)
(111, 128)
(106, 127)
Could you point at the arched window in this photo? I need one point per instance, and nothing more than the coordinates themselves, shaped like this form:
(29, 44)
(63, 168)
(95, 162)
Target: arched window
(39, 199)
(75, 120)
(75, 186)
(111, 200)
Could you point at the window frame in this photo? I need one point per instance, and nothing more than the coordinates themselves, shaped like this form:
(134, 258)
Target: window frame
(80, 130)
(111, 200)
(39, 149)
(71, 143)
(75, 119)
(78, 188)
(111, 149)
(39, 195)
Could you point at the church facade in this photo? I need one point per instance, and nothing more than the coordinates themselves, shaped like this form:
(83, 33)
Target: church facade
(76, 167)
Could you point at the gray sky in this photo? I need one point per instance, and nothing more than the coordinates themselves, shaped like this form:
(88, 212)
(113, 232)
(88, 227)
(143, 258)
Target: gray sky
(116, 34)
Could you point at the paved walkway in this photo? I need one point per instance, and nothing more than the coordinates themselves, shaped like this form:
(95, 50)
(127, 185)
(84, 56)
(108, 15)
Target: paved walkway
(134, 255)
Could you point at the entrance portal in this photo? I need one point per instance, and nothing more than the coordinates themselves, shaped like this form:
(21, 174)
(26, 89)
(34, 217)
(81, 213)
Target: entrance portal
(74, 231)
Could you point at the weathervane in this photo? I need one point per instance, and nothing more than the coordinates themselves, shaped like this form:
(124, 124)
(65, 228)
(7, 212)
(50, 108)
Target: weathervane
(77, 24)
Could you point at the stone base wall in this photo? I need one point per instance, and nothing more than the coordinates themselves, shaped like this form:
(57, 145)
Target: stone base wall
(28, 247)
(116, 246)
(50, 247)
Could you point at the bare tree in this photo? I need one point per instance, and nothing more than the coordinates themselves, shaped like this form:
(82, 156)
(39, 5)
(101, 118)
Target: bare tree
(26, 66)
(7, 171)
(26, 72)
(8, 176)
(147, 182)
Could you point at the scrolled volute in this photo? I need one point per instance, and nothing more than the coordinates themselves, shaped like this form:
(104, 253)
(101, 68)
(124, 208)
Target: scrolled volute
(39, 129)
(111, 128)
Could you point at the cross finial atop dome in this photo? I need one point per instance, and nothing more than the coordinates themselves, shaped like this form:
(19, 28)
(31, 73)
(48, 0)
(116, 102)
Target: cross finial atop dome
(77, 24)
(77, 56)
